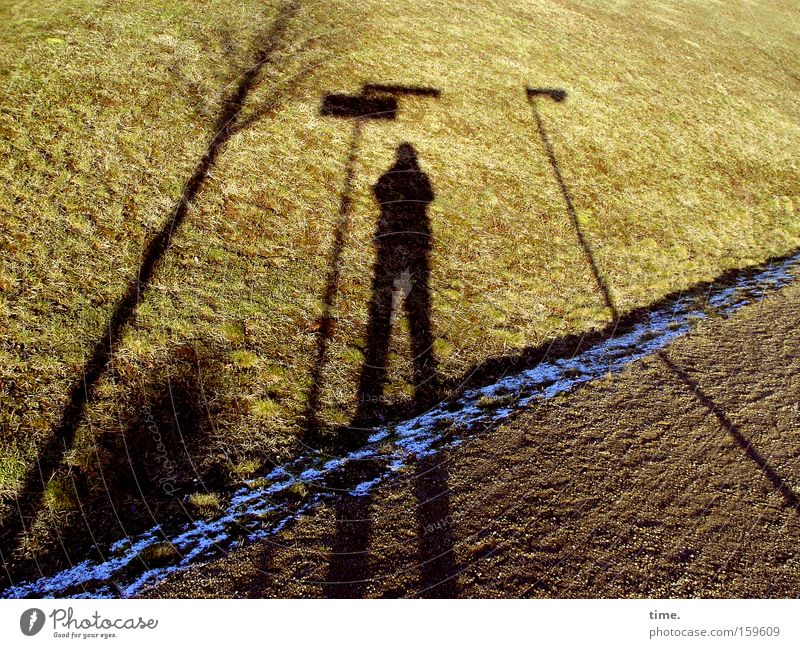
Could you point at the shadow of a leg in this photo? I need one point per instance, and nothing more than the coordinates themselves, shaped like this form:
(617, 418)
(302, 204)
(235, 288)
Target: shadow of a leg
(435, 525)
(348, 571)
(418, 311)
(379, 329)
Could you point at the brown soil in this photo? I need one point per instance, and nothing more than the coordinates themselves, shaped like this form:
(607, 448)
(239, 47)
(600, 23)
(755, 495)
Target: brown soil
(676, 478)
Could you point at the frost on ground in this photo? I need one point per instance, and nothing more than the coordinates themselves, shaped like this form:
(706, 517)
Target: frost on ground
(266, 505)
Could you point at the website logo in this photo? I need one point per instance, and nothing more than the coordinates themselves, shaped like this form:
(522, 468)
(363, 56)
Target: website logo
(31, 622)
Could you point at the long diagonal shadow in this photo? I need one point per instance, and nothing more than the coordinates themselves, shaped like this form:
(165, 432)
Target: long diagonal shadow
(331, 289)
(559, 96)
(83, 389)
(774, 477)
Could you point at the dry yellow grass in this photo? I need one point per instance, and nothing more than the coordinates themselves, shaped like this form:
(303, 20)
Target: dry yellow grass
(679, 133)
(207, 504)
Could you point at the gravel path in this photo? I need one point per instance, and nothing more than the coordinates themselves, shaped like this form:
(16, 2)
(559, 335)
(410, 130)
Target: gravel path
(676, 478)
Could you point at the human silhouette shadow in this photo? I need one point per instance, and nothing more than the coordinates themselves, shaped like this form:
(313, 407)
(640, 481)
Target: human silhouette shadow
(401, 275)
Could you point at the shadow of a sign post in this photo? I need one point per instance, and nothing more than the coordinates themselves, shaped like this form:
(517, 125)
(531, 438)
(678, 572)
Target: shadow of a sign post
(375, 102)
(559, 96)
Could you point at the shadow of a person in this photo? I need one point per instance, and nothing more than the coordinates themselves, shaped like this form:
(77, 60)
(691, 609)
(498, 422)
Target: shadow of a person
(437, 558)
(401, 271)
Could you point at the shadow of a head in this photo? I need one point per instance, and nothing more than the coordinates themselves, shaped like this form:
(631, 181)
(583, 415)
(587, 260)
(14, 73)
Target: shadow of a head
(406, 155)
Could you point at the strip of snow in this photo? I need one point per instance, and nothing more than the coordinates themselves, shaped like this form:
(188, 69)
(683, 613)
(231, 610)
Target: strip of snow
(258, 511)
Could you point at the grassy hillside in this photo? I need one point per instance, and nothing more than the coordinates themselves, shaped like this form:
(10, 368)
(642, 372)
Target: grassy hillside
(677, 145)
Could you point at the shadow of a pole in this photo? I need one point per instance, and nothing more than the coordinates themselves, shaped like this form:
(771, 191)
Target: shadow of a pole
(82, 391)
(437, 563)
(733, 430)
(559, 95)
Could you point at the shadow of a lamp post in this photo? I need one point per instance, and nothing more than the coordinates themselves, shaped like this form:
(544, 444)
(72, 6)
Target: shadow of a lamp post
(376, 102)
